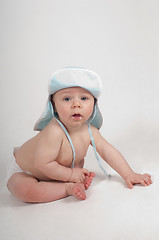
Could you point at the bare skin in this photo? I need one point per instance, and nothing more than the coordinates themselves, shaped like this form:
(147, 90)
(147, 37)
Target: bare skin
(77, 190)
(48, 156)
(28, 189)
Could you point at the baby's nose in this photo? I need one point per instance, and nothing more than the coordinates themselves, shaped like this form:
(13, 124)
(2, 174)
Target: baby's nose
(76, 104)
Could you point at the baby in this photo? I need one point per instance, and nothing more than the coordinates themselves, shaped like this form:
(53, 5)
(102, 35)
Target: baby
(49, 166)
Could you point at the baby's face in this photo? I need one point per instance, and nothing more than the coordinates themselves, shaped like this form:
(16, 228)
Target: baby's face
(74, 105)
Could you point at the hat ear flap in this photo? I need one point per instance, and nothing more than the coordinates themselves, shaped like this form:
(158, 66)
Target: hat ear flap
(96, 117)
(47, 115)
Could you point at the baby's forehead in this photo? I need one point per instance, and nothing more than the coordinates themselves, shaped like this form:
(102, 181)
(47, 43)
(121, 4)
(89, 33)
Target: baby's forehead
(72, 90)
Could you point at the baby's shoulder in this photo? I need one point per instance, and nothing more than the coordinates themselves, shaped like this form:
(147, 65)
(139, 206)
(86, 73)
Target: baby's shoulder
(52, 131)
(95, 132)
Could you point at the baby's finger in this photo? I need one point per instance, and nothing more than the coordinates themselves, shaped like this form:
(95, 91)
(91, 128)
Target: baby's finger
(130, 185)
(147, 175)
(143, 182)
(148, 181)
(85, 171)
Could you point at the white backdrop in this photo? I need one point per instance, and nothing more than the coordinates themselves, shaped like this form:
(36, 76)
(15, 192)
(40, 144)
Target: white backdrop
(116, 38)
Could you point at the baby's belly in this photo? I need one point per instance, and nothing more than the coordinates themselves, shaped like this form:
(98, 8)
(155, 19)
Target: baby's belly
(66, 158)
(26, 162)
(68, 162)
(65, 162)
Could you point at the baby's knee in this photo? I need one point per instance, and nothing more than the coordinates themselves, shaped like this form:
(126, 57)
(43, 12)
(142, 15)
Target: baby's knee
(11, 183)
(22, 189)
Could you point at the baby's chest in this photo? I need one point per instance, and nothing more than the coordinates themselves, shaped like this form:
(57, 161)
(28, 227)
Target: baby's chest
(65, 156)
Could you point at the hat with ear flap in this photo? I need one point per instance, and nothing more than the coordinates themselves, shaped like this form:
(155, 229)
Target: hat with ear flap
(72, 77)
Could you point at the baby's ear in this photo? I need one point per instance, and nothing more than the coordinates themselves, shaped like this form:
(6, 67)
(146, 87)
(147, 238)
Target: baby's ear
(53, 104)
(52, 101)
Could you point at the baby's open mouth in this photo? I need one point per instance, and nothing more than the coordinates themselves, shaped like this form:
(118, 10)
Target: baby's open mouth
(76, 115)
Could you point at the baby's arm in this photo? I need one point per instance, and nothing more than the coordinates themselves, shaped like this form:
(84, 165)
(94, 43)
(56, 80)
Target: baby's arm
(118, 162)
(46, 153)
(58, 172)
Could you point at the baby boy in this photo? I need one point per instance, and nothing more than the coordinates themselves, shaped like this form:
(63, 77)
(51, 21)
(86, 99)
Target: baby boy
(49, 166)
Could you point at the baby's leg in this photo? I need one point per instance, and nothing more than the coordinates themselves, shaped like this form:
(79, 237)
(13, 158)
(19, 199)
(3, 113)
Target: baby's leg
(28, 189)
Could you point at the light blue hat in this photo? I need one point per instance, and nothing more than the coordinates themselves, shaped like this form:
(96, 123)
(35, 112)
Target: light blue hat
(72, 77)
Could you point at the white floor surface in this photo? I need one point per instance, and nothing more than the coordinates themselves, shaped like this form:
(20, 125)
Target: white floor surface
(111, 211)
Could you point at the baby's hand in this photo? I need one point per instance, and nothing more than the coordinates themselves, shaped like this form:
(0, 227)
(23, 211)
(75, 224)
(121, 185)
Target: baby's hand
(135, 178)
(78, 175)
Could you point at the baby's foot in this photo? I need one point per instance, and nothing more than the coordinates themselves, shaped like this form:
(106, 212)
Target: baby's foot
(88, 179)
(77, 190)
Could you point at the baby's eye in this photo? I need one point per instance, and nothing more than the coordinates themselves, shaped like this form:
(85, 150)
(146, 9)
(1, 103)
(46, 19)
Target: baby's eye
(66, 99)
(84, 98)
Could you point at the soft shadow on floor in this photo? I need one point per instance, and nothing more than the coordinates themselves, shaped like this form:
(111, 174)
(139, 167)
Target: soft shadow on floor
(7, 199)
(112, 178)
